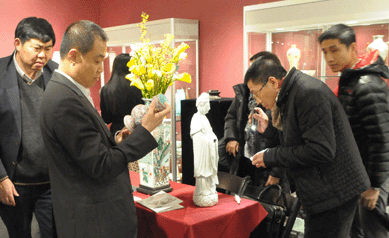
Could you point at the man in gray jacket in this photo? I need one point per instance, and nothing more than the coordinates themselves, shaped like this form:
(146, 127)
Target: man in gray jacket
(24, 173)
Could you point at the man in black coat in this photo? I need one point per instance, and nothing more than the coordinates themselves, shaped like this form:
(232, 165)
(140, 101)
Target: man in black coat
(364, 94)
(241, 140)
(24, 174)
(92, 194)
(317, 145)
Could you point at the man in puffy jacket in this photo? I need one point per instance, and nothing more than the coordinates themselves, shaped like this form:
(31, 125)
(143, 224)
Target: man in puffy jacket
(364, 94)
(317, 146)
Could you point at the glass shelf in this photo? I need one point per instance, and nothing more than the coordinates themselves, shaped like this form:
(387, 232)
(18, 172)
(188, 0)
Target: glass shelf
(303, 30)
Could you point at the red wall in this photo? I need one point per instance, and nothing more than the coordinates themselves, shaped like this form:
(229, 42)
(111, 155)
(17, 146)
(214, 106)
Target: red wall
(221, 29)
(59, 13)
(221, 33)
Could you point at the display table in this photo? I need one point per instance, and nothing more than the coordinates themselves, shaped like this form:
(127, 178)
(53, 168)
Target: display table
(226, 219)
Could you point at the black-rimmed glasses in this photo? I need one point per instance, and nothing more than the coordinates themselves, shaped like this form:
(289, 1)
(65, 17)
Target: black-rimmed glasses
(263, 86)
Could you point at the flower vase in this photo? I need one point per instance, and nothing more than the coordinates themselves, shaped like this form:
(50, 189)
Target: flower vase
(154, 167)
(380, 45)
(293, 55)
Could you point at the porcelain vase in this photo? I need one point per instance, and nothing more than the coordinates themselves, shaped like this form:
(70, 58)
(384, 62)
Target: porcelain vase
(293, 55)
(154, 167)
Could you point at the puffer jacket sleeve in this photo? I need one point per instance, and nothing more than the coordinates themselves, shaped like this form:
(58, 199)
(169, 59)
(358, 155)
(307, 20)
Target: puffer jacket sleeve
(372, 102)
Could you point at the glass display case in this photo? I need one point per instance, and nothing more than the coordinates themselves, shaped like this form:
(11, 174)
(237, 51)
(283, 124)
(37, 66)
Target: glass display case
(294, 37)
(184, 30)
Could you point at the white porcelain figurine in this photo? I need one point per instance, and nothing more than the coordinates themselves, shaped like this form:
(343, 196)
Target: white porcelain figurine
(206, 155)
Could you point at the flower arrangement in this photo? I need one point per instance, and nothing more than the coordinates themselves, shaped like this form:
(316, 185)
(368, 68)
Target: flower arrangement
(153, 69)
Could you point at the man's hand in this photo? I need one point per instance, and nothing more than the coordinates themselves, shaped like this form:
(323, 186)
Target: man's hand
(369, 198)
(262, 118)
(272, 180)
(232, 147)
(153, 119)
(258, 160)
(123, 134)
(7, 192)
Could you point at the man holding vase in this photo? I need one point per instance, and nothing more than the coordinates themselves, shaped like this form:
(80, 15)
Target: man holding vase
(92, 194)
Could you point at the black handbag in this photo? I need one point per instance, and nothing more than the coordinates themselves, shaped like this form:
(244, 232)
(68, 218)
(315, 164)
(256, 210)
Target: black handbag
(273, 201)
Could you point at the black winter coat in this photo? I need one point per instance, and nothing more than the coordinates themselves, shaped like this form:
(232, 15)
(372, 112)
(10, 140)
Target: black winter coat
(365, 98)
(236, 118)
(317, 145)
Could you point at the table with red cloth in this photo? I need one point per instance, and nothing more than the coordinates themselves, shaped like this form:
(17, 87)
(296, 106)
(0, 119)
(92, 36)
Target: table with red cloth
(225, 219)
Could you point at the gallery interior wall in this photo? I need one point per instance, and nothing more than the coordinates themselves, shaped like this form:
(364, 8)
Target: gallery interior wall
(221, 28)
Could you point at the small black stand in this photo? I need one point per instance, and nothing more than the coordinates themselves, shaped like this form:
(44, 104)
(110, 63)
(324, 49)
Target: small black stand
(151, 191)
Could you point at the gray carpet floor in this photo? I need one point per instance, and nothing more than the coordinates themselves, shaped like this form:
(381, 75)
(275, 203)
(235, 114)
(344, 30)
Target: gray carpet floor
(34, 229)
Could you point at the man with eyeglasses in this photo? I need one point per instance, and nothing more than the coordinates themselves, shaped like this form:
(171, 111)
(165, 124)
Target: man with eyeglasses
(317, 146)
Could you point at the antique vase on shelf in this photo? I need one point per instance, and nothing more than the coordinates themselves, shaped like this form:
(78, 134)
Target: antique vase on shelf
(293, 55)
(379, 44)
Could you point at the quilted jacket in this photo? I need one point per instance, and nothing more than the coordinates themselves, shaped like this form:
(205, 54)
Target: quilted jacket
(317, 145)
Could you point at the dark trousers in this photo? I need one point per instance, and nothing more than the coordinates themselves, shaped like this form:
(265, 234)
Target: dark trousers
(32, 199)
(334, 223)
(369, 224)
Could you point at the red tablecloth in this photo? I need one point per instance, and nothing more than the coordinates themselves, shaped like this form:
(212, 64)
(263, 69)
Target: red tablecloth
(226, 219)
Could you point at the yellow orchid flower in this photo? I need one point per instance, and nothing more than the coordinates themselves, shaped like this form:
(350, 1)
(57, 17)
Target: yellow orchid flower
(177, 51)
(135, 81)
(168, 68)
(185, 77)
(146, 54)
(154, 68)
(138, 69)
(150, 72)
(168, 39)
(150, 84)
(131, 63)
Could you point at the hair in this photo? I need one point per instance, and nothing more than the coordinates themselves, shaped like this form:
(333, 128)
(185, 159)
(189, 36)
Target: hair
(81, 35)
(118, 89)
(120, 67)
(265, 55)
(33, 27)
(343, 33)
(119, 72)
(264, 67)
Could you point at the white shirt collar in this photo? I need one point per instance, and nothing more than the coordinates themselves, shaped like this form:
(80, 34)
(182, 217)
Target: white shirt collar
(84, 90)
(21, 72)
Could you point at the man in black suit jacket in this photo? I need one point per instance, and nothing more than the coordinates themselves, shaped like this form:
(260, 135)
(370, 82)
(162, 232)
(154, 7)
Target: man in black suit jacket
(92, 194)
(24, 175)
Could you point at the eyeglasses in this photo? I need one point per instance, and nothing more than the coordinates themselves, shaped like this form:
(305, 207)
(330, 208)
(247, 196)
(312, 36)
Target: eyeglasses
(262, 86)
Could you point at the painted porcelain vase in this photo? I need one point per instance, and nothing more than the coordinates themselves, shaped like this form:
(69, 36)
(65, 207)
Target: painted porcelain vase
(154, 167)
(379, 44)
(293, 55)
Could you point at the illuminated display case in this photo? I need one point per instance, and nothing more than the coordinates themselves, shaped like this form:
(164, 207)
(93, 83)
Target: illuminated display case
(184, 30)
(284, 26)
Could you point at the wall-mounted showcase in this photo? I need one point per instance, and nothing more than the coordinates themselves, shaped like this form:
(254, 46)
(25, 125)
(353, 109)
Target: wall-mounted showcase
(290, 29)
(184, 30)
